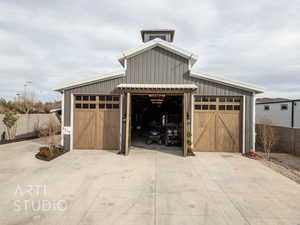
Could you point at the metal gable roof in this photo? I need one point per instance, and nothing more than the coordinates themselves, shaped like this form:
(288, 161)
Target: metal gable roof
(160, 43)
(102, 77)
(121, 73)
(235, 84)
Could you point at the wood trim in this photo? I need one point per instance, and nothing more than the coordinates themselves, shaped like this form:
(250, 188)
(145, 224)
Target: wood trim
(121, 123)
(159, 91)
(217, 103)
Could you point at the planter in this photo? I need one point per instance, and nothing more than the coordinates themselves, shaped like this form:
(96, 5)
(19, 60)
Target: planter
(48, 154)
(251, 155)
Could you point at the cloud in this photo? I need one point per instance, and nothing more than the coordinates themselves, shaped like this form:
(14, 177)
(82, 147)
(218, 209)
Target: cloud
(58, 41)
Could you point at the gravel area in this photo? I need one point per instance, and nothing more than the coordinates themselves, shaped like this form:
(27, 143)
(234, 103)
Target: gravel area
(283, 163)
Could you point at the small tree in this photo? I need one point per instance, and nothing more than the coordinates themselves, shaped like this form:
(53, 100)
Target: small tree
(51, 129)
(9, 121)
(266, 137)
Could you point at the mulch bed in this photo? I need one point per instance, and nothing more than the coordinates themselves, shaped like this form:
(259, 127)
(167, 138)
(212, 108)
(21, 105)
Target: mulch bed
(3, 142)
(47, 154)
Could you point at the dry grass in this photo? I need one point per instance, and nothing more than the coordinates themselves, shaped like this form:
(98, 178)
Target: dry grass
(283, 163)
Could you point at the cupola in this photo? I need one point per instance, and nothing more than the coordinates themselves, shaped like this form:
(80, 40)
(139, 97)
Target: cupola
(166, 35)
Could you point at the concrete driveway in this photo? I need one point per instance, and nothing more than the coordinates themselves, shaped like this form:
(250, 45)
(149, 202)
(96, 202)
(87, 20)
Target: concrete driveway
(146, 187)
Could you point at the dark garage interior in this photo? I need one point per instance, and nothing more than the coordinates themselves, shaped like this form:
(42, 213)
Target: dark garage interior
(156, 120)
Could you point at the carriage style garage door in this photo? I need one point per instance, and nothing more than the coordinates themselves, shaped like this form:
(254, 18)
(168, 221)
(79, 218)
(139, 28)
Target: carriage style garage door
(217, 124)
(96, 122)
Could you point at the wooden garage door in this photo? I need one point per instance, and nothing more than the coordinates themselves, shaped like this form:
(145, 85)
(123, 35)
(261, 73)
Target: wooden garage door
(96, 122)
(217, 124)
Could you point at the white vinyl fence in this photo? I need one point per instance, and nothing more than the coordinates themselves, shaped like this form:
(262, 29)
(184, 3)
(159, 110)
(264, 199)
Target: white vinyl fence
(28, 124)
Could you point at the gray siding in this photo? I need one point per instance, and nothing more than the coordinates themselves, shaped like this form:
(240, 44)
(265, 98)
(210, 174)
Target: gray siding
(157, 66)
(160, 66)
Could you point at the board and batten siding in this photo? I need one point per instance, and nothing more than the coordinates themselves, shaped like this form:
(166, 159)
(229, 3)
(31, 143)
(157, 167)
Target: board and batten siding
(155, 66)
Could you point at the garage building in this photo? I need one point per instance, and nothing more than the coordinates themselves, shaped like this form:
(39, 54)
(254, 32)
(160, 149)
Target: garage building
(155, 90)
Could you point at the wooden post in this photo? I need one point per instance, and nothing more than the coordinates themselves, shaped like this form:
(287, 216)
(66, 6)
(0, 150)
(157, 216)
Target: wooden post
(127, 131)
(185, 124)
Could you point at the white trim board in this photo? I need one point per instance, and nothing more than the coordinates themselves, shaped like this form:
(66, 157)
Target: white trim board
(244, 126)
(158, 86)
(62, 119)
(72, 122)
(253, 121)
(235, 84)
(157, 42)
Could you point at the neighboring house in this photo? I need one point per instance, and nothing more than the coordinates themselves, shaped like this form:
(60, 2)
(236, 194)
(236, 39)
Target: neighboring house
(155, 88)
(285, 113)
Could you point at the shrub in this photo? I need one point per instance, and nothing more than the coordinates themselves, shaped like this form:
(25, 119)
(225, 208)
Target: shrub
(9, 121)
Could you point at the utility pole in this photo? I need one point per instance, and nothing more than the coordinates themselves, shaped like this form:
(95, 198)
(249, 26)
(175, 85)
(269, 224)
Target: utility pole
(25, 97)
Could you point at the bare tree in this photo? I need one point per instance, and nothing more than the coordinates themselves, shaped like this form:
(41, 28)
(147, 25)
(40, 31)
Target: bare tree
(27, 101)
(266, 137)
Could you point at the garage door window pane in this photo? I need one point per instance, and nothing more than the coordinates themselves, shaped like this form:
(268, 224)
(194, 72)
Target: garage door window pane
(237, 99)
(221, 107)
(78, 98)
(197, 98)
(204, 107)
(109, 106)
(101, 106)
(85, 106)
(236, 107)
(92, 98)
(229, 107)
(85, 98)
(116, 98)
(92, 106)
(78, 106)
(102, 98)
(212, 107)
(229, 99)
(205, 99)
(198, 107)
(212, 99)
(115, 106)
(222, 99)
(108, 98)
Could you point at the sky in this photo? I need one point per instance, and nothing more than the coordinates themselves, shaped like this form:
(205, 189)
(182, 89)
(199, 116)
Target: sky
(51, 43)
